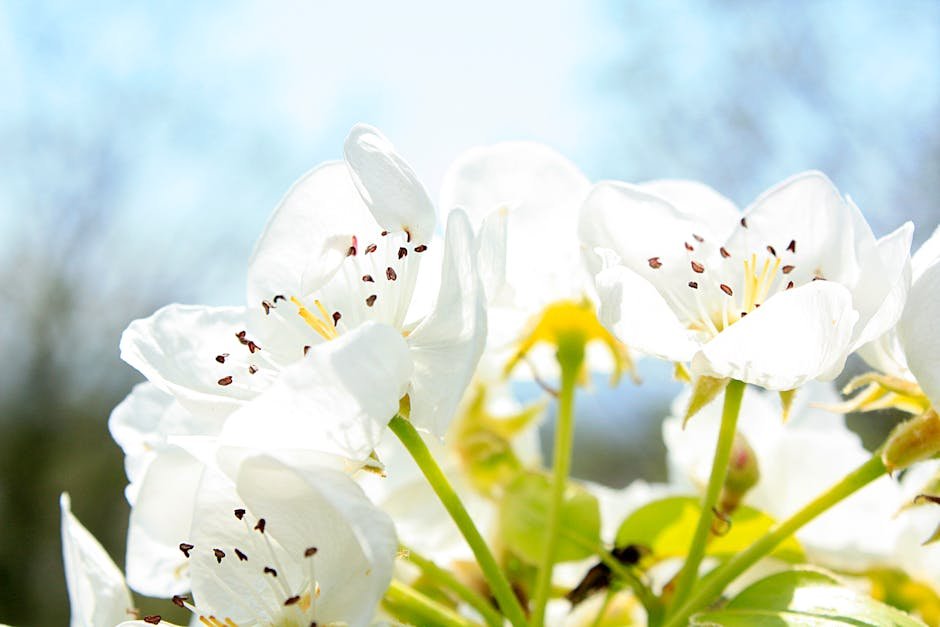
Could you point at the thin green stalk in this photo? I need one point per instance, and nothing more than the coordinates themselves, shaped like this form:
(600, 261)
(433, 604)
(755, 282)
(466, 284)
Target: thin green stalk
(652, 604)
(447, 580)
(716, 582)
(729, 420)
(428, 609)
(499, 585)
(570, 356)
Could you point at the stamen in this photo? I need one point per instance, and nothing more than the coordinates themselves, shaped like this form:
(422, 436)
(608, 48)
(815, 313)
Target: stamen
(371, 248)
(292, 600)
(225, 381)
(402, 251)
(407, 235)
(693, 285)
(367, 278)
(771, 250)
(371, 300)
(267, 306)
(186, 548)
(792, 246)
(252, 347)
(270, 571)
(384, 233)
(219, 554)
(310, 552)
(698, 238)
(655, 262)
(319, 324)
(336, 316)
(260, 525)
(252, 369)
(688, 246)
(239, 513)
(744, 222)
(153, 619)
(420, 248)
(279, 297)
(241, 556)
(697, 267)
(241, 337)
(221, 358)
(390, 274)
(726, 289)
(179, 601)
(789, 286)
(724, 252)
(787, 269)
(306, 349)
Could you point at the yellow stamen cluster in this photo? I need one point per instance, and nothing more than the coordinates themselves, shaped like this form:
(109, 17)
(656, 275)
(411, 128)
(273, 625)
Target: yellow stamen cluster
(757, 285)
(322, 323)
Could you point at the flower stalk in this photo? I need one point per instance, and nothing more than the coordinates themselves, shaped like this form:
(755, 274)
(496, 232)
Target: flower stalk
(429, 467)
(728, 572)
(734, 392)
(570, 357)
(405, 596)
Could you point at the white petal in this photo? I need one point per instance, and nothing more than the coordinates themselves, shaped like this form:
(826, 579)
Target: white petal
(387, 184)
(926, 255)
(355, 541)
(881, 292)
(337, 401)
(796, 336)
(709, 207)
(446, 346)
(176, 350)
(160, 519)
(807, 209)
(97, 593)
(636, 313)
(144, 420)
(491, 243)
(540, 191)
(307, 236)
(918, 331)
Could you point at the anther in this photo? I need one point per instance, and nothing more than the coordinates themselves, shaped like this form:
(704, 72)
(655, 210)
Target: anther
(153, 619)
(371, 300)
(787, 269)
(290, 601)
(310, 551)
(655, 262)
(698, 238)
(260, 525)
(697, 267)
(390, 274)
(252, 369)
(239, 513)
(270, 571)
(267, 306)
(306, 350)
(179, 600)
(384, 233)
(688, 246)
(407, 235)
(186, 548)
(792, 246)
(789, 285)
(219, 554)
(241, 556)
(693, 285)
(351, 251)
(771, 250)
(726, 289)
(819, 278)
(724, 252)
(221, 358)
(420, 248)
(225, 381)
(368, 278)
(252, 347)
(402, 252)
(241, 337)
(336, 316)
(743, 313)
(278, 297)
(744, 222)
(371, 248)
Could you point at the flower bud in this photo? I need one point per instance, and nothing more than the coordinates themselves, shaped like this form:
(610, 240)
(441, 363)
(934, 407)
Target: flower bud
(912, 441)
(743, 474)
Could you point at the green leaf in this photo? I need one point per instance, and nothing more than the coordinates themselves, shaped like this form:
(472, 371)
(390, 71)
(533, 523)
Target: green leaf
(523, 514)
(666, 527)
(804, 597)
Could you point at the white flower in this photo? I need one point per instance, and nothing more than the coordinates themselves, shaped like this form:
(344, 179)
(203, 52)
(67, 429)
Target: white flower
(97, 593)
(286, 547)
(798, 460)
(325, 350)
(523, 199)
(678, 269)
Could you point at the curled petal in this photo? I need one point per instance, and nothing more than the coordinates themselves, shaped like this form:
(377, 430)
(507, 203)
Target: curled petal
(917, 331)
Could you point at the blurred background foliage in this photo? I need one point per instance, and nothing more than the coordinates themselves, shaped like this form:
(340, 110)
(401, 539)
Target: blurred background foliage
(143, 147)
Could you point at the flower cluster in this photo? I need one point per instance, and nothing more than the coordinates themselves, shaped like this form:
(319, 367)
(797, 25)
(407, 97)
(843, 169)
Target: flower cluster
(346, 447)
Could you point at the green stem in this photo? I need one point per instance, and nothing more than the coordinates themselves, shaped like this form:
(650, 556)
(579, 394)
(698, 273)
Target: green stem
(428, 609)
(728, 572)
(729, 420)
(570, 356)
(498, 583)
(447, 580)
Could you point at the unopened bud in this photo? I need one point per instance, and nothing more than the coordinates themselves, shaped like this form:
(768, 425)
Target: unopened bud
(912, 441)
(743, 474)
